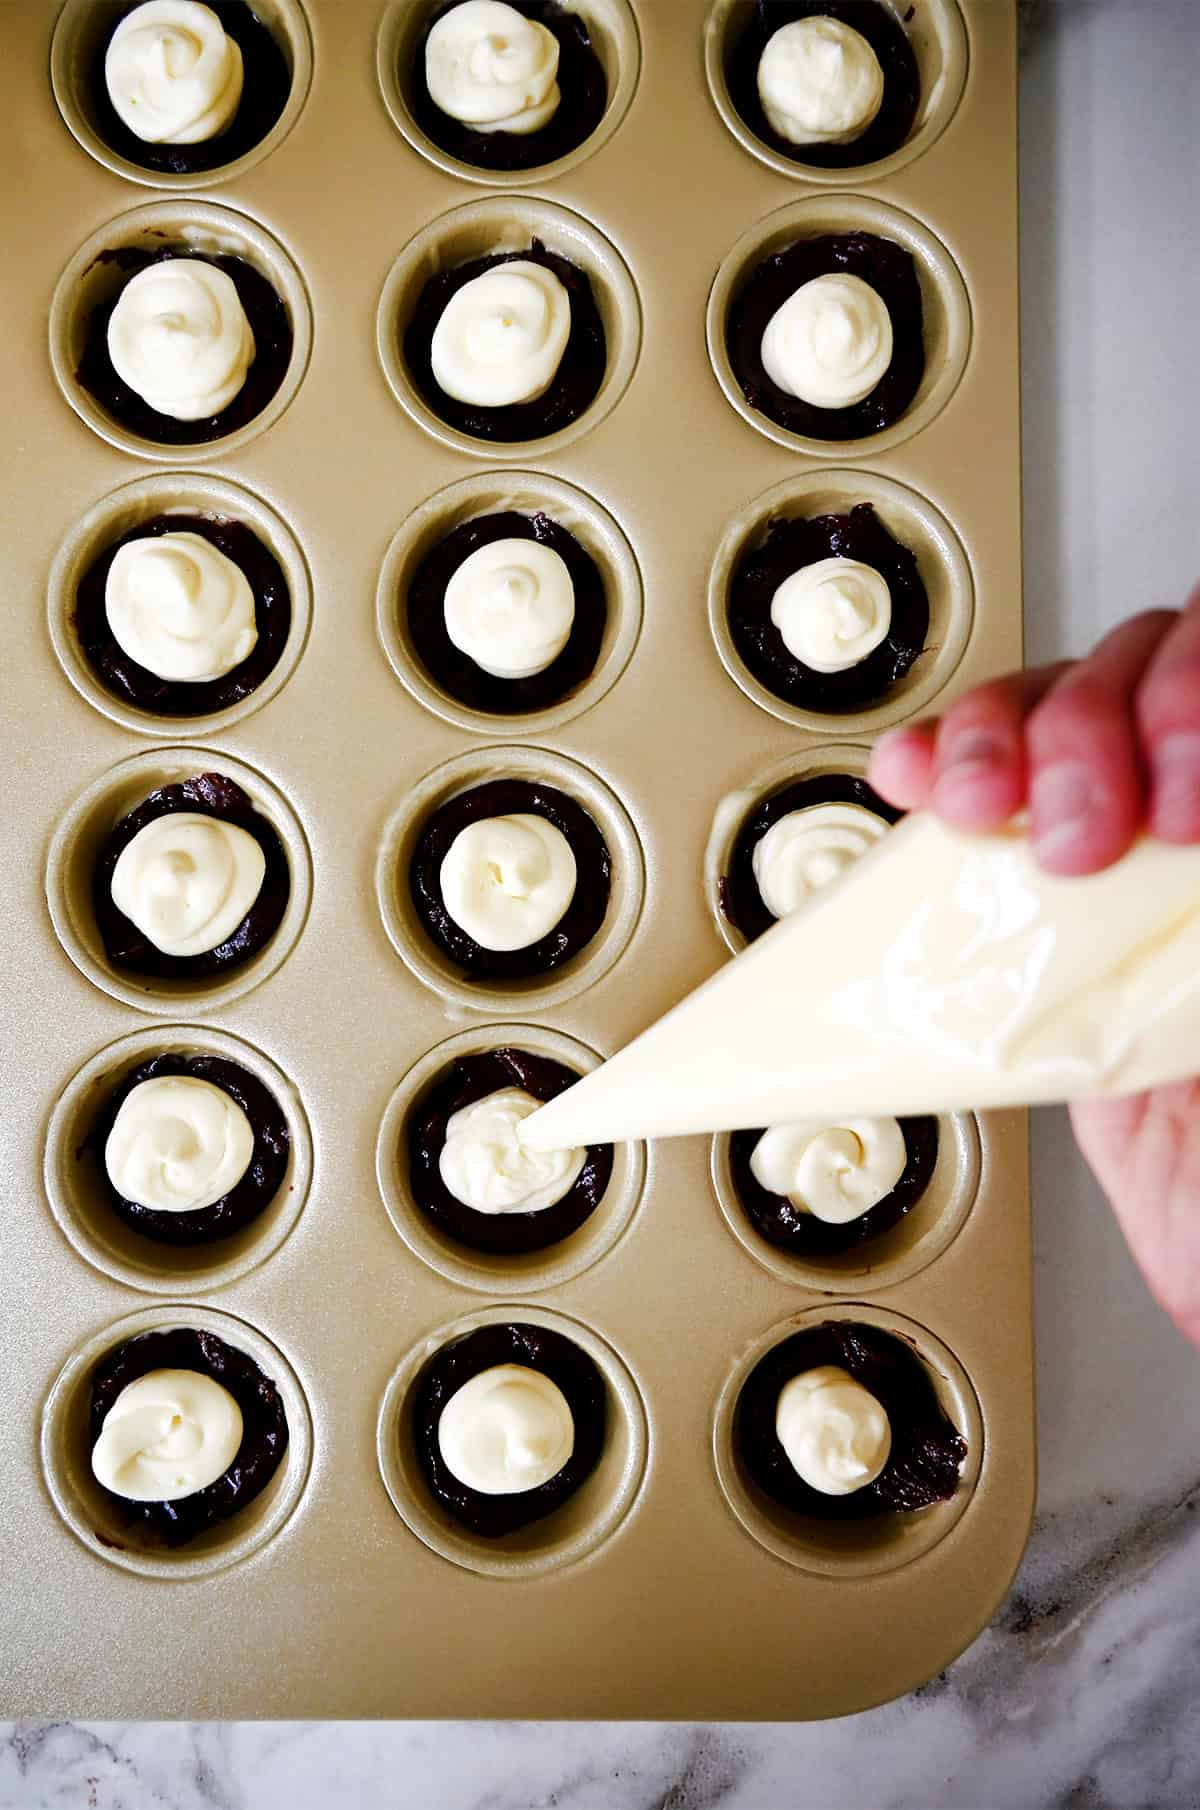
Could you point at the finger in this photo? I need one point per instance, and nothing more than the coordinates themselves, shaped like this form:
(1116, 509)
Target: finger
(1145, 1152)
(1168, 719)
(979, 769)
(1086, 788)
(901, 769)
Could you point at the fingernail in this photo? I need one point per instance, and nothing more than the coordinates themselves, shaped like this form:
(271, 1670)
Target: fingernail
(1062, 803)
(1175, 786)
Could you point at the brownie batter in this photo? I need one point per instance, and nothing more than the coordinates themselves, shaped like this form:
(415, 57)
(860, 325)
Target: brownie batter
(887, 38)
(799, 541)
(805, 1236)
(471, 1078)
(927, 1449)
(134, 684)
(210, 795)
(266, 84)
(578, 924)
(581, 82)
(268, 317)
(247, 1198)
(536, 1348)
(264, 1433)
(890, 271)
(576, 382)
(455, 672)
(741, 902)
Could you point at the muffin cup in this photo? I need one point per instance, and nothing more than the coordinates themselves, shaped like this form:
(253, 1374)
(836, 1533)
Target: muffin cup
(893, 1256)
(78, 1200)
(851, 1549)
(500, 1275)
(210, 231)
(735, 807)
(614, 35)
(499, 224)
(527, 492)
(910, 519)
(408, 934)
(587, 1519)
(75, 848)
(73, 51)
(65, 1454)
(186, 493)
(938, 37)
(946, 308)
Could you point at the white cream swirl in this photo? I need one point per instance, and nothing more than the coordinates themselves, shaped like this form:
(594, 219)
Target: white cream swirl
(507, 1430)
(510, 607)
(168, 1434)
(806, 849)
(489, 67)
(830, 342)
(507, 881)
(819, 82)
(485, 1166)
(177, 1144)
(500, 338)
(187, 881)
(174, 75)
(179, 336)
(835, 1172)
(180, 607)
(837, 1436)
(833, 613)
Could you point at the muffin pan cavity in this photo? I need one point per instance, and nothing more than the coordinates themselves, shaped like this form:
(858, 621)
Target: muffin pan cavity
(876, 1544)
(833, 760)
(94, 278)
(613, 36)
(893, 1255)
(411, 938)
(946, 328)
(917, 525)
(77, 1192)
(529, 494)
(188, 495)
(65, 1453)
(584, 1522)
(481, 229)
(500, 1274)
(937, 37)
(80, 838)
(76, 72)
(363, 735)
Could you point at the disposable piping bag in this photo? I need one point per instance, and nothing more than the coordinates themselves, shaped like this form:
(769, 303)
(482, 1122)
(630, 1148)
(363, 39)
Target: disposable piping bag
(943, 972)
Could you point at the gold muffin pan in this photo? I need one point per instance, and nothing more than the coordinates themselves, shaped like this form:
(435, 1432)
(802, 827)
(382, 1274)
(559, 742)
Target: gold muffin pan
(666, 1587)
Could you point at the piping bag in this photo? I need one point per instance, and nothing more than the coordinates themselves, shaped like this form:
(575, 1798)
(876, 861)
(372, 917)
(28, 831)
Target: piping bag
(942, 972)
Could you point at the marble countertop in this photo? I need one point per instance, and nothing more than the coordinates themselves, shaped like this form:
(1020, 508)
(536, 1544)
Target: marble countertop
(1085, 1691)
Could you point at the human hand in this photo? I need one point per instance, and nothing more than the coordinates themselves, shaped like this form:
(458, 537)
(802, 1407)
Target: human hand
(1097, 750)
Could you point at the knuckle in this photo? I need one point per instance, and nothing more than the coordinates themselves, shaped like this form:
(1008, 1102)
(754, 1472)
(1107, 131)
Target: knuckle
(989, 706)
(1158, 619)
(1078, 707)
(1169, 697)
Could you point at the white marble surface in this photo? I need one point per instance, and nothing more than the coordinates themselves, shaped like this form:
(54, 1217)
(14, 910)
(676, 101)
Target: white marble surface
(1085, 1692)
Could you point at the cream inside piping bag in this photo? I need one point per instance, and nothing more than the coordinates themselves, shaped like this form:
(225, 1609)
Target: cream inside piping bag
(944, 972)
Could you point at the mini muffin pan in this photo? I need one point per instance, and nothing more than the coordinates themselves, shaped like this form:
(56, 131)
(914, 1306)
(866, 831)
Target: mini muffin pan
(666, 1586)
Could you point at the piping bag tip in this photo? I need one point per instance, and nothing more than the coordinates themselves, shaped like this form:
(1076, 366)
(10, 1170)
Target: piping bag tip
(943, 972)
